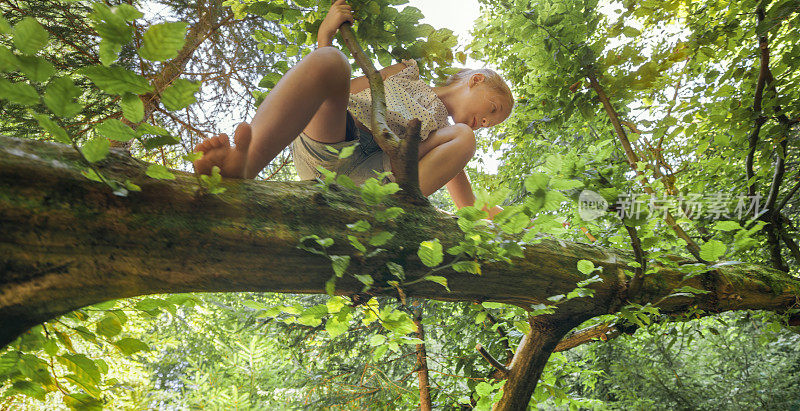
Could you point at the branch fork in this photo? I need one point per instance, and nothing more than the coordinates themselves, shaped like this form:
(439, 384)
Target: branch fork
(403, 152)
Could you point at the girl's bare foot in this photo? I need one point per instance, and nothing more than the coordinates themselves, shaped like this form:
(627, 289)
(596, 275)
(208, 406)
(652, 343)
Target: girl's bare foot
(217, 151)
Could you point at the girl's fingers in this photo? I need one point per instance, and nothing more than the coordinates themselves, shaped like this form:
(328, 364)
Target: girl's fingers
(338, 3)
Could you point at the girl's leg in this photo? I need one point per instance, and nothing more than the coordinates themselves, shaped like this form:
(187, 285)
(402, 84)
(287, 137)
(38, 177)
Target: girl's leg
(443, 155)
(312, 96)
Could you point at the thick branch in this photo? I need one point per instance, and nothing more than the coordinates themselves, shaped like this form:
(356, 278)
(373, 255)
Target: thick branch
(67, 242)
(602, 332)
(763, 76)
(791, 244)
(532, 354)
(786, 199)
(491, 360)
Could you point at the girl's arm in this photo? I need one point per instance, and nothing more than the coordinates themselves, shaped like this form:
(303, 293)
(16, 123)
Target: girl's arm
(339, 13)
(362, 83)
(461, 192)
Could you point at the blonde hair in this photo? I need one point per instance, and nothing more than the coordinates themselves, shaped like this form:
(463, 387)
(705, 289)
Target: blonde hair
(492, 79)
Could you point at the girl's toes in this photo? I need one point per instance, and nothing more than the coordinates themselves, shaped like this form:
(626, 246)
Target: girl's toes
(242, 136)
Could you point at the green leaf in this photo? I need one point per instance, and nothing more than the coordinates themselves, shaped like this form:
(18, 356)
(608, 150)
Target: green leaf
(132, 107)
(82, 366)
(563, 184)
(631, 32)
(712, 250)
(83, 402)
(28, 388)
(356, 244)
(366, 279)
(727, 226)
(52, 128)
(8, 61)
(149, 129)
(377, 339)
(160, 141)
(5, 28)
(380, 352)
(347, 151)
(114, 129)
(430, 252)
(30, 36)
(330, 286)
(116, 80)
(396, 270)
(159, 172)
(360, 226)
(269, 80)
(585, 266)
(38, 70)
(381, 238)
(389, 214)
(516, 223)
(163, 41)
(438, 280)
(523, 327)
(130, 346)
(110, 24)
(536, 182)
(398, 322)
(35, 368)
(340, 264)
(95, 149)
(60, 96)
(109, 52)
(180, 94)
(324, 242)
(109, 326)
(472, 267)
(20, 93)
(334, 327)
(127, 12)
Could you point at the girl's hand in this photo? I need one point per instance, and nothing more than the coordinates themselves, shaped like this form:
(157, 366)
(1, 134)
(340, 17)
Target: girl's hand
(339, 13)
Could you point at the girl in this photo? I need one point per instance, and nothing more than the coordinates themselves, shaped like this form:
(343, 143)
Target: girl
(317, 104)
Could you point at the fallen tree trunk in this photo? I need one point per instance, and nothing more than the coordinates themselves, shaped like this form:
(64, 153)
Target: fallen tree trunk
(67, 242)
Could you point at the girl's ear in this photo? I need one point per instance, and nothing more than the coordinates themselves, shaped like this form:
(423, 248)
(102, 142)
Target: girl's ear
(476, 79)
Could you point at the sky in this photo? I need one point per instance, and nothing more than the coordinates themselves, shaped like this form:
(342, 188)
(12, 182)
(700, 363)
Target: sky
(456, 15)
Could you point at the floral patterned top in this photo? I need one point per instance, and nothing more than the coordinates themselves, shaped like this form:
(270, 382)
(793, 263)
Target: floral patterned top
(407, 98)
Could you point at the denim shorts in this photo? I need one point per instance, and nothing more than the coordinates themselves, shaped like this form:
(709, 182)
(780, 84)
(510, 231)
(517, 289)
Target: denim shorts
(362, 165)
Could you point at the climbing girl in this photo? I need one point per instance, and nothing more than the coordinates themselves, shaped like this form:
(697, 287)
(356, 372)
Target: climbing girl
(317, 104)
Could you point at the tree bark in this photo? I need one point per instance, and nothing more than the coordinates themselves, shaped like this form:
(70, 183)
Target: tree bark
(67, 242)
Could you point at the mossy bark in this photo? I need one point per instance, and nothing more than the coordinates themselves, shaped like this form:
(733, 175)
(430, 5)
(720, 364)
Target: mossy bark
(67, 242)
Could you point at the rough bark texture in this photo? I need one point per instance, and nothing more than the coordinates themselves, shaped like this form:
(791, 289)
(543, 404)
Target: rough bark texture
(67, 242)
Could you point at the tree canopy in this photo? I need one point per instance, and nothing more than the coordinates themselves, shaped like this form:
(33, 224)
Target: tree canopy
(648, 176)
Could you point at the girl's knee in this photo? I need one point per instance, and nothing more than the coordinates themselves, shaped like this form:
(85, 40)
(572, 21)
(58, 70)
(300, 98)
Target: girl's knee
(331, 62)
(465, 139)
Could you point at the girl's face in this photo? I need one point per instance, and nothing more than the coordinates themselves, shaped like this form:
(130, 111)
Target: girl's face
(481, 106)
